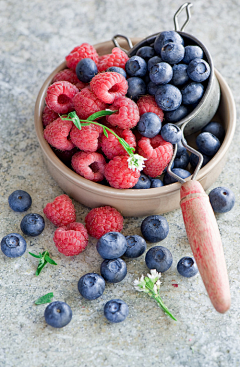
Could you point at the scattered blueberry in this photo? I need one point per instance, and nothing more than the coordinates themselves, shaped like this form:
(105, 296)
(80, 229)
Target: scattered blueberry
(156, 182)
(180, 76)
(153, 61)
(117, 69)
(192, 93)
(172, 53)
(176, 115)
(136, 66)
(154, 228)
(146, 52)
(171, 133)
(114, 270)
(136, 246)
(166, 37)
(159, 258)
(182, 160)
(216, 129)
(116, 310)
(86, 69)
(187, 267)
(161, 73)
(58, 314)
(152, 88)
(168, 97)
(222, 199)
(32, 224)
(13, 245)
(19, 201)
(136, 88)
(192, 52)
(143, 182)
(111, 245)
(194, 160)
(207, 143)
(168, 179)
(91, 286)
(149, 125)
(198, 70)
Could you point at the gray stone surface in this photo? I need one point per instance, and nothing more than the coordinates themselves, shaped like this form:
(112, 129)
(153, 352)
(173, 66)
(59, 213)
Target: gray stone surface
(35, 36)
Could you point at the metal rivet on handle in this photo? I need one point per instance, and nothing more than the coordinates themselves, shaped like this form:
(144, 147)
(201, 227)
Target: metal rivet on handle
(116, 44)
(176, 25)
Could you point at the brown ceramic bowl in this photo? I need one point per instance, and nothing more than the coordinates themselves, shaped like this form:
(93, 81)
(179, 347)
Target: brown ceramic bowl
(132, 202)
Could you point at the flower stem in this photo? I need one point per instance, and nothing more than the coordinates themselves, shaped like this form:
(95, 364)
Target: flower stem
(160, 302)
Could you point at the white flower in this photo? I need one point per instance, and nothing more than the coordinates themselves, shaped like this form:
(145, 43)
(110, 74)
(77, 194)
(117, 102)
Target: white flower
(154, 276)
(140, 284)
(136, 161)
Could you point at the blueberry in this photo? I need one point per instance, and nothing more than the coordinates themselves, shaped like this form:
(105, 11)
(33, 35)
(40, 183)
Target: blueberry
(172, 53)
(192, 93)
(180, 149)
(180, 76)
(154, 228)
(58, 314)
(91, 286)
(171, 133)
(13, 245)
(159, 258)
(168, 179)
(192, 52)
(117, 69)
(146, 52)
(153, 61)
(32, 224)
(187, 267)
(136, 88)
(194, 160)
(156, 182)
(86, 69)
(116, 310)
(168, 97)
(182, 160)
(19, 201)
(114, 270)
(136, 66)
(222, 199)
(198, 70)
(136, 246)
(216, 129)
(207, 143)
(143, 182)
(176, 115)
(161, 73)
(111, 245)
(166, 37)
(152, 88)
(149, 125)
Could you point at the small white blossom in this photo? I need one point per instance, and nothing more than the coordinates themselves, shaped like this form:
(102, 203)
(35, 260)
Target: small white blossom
(136, 162)
(154, 276)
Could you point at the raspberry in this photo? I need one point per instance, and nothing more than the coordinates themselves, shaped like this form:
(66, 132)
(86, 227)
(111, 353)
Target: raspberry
(81, 52)
(72, 239)
(86, 139)
(100, 221)
(80, 85)
(89, 165)
(116, 58)
(111, 146)
(57, 134)
(48, 116)
(128, 113)
(147, 103)
(86, 103)
(59, 96)
(119, 175)
(109, 86)
(61, 211)
(67, 75)
(158, 153)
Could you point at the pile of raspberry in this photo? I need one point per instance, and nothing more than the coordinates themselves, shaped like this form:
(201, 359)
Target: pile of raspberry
(89, 152)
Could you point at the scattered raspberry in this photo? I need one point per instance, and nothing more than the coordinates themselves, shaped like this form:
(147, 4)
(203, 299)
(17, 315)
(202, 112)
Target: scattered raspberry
(111, 146)
(158, 153)
(89, 165)
(86, 139)
(81, 52)
(109, 86)
(61, 211)
(147, 103)
(86, 103)
(72, 239)
(67, 75)
(119, 175)
(48, 116)
(128, 113)
(59, 96)
(116, 58)
(57, 134)
(103, 220)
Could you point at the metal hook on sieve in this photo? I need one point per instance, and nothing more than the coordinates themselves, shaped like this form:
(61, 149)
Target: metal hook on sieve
(186, 6)
(116, 44)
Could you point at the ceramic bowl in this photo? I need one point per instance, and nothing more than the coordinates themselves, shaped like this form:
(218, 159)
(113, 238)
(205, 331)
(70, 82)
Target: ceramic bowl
(133, 202)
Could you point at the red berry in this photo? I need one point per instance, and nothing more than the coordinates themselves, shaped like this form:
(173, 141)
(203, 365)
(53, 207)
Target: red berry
(116, 58)
(72, 239)
(111, 146)
(67, 75)
(100, 221)
(86, 103)
(89, 165)
(86, 139)
(80, 85)
(128, 114)
(119, 175)
(48, 116)
(59, 96)
(57, 134)
(61, 211)
(109, 86)
(147, 103)
(81, 52)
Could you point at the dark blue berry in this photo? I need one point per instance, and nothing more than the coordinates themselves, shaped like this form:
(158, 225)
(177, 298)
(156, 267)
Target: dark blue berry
(187, 267)
(91, 286)
(114, 270)
(192, 52)
(207, 143)
(116, 310)
(192, 93)
(32, 224)
(198, 70)
(146, 52)
(180, 76)
(172, 53)
(166, 37)
(143, 182)
(168, 97)
(111, 245)
(222, 199)
(171, 133)
(13, 245)
(216, 129)
(117, 69)
(161, 73)
(153, 61)
(136, 88)
(180, 149)
(156, 182)
(159, 258)
(19, 201)
(136, 246)
(182, 160)
(86, 69)
(136, 66)
(58, 314)
(176, 115)
(194, 160)
(154, 228)
(149, 125)
(152, 88)
(168, 179)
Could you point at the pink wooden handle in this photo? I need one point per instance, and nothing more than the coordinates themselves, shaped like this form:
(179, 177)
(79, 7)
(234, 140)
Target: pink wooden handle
(205, 241)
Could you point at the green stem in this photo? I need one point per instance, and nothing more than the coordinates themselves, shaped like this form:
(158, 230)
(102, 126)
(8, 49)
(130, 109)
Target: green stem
(160, 302)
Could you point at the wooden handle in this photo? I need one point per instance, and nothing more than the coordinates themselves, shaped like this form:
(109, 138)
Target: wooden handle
(205, 241)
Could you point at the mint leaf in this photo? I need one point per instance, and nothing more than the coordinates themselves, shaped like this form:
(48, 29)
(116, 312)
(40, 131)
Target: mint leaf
(47, 298)
(44, 258)
(98, 114)
(37, 256)
(40, 267)
(49, 260)
(105, 132)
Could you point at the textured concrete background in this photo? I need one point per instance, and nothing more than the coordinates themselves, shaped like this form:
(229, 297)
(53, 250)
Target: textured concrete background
(35, 36)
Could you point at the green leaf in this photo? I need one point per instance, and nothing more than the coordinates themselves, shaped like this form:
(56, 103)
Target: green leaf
(37, 256)
(49, 260)
(98, 114)
(47, 298)
(105, 132)
(40, 267)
